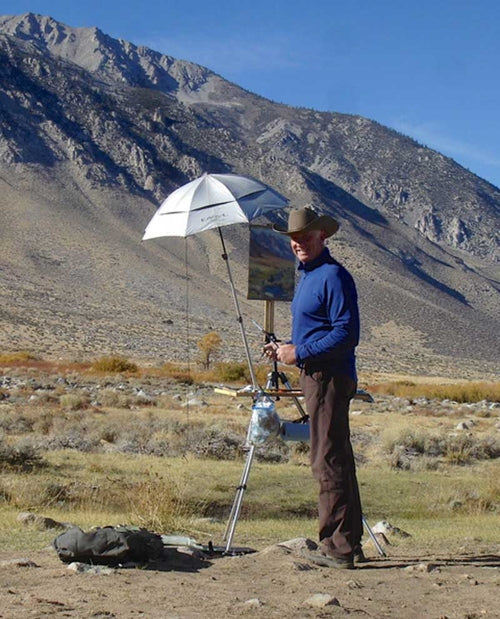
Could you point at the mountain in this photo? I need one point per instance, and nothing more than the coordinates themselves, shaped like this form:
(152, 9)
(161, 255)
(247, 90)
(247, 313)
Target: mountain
(95, 132)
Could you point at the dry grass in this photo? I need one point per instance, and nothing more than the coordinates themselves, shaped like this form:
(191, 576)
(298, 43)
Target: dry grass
(19, 358)
(452, 448)
(193, 497)
(158, 463)
(227, 372)
(114, 365)
(457, 392)
(21, 456)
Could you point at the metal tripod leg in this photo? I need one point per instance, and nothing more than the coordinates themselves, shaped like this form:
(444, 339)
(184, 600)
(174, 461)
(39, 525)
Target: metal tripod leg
(272, 382)
(273, 379)
(379, 548)
(297, 403)
(235, 510)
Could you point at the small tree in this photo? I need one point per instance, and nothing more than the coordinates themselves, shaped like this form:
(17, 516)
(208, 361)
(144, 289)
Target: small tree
(209, 346)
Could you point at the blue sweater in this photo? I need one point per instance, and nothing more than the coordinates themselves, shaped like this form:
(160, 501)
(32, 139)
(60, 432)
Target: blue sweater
(325, 316)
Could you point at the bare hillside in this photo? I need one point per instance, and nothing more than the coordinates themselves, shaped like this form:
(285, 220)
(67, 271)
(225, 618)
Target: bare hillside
(95, 132)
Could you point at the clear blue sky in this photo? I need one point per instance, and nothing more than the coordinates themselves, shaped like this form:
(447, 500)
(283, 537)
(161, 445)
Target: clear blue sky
(428, 68)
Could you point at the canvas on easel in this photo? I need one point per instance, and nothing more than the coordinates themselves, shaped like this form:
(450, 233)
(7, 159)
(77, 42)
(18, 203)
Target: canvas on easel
(271, 266)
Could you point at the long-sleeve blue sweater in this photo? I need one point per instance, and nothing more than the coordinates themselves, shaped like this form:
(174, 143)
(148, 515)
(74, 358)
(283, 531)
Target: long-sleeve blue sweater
(325, 316)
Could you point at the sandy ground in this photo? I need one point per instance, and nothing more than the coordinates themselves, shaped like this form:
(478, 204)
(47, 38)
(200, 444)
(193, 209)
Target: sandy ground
(275, 582)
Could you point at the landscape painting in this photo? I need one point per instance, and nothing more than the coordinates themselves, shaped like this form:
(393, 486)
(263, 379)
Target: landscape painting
(271, 268)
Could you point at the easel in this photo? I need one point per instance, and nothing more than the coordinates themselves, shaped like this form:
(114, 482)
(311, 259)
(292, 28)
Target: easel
(273, 389)
(272, 386)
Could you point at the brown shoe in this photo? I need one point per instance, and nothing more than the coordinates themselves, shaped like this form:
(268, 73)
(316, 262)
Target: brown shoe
(320, 558)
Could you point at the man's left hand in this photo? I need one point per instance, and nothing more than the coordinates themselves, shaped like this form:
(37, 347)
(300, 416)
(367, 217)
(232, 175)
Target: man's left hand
(286, 354)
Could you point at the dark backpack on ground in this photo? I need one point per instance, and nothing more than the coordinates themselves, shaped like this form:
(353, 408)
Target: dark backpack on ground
(108, 545)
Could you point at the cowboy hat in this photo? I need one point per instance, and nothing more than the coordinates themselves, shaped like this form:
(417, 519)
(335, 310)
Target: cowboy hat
(305, 219)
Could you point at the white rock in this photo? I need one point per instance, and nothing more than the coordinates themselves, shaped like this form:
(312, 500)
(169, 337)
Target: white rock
(81, 568)
(42, 522)
(195, 402)
(298, 543)
(354, 584)
(420, 567)
(320, 600)
(253, 603)
(388, 529)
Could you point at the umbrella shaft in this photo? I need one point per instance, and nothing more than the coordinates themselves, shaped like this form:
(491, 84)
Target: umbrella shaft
(240, 318)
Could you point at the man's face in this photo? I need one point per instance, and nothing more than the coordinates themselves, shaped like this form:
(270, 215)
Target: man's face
(308, 245)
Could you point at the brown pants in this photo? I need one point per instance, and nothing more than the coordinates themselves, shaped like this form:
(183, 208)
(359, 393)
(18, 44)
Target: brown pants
(327, 399)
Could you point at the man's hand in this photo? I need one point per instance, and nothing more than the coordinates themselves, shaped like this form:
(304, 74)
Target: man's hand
(270, 350)
(286, 354)
(280, 352)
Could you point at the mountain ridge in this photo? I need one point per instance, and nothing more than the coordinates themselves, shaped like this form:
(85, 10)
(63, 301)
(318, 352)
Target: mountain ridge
(106, 142)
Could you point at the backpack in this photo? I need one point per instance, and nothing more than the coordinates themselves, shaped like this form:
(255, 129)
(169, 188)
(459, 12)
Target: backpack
(108, 545)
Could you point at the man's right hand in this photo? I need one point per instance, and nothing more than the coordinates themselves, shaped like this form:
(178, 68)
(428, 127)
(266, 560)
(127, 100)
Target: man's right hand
(270, 350)
(280, 352)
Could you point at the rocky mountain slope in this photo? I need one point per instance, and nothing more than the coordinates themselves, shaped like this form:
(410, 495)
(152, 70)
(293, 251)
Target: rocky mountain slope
(95, 132)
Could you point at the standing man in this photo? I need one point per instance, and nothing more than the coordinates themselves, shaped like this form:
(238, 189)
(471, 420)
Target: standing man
(325, 332)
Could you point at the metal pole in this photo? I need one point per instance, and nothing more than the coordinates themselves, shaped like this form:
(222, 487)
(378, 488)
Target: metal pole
(240, 319)
(373, 538)
(269, 328)
(269, 316)
(235, 510)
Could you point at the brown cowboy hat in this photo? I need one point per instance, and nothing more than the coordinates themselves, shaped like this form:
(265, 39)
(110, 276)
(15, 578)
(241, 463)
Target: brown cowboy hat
(305, 219)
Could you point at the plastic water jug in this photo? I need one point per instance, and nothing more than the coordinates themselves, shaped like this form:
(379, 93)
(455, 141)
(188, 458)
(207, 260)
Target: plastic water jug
(265, 422)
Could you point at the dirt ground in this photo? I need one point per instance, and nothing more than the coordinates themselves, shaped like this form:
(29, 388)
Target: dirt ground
(274, 582)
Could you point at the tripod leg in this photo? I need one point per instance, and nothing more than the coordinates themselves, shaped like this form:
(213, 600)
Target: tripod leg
(373, 538)
(272, 381)
(239, 490)
(286, 383)
(300, 408)
(235, 510)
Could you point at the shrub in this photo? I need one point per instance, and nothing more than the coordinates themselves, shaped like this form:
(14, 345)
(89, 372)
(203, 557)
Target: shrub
(74, 401)
(55, 492)
(177, 372)
(209, 345)
(114, 365)
(216, 443)
(484, 498)
(44, 422)
(77, 438)
(113, 399)
(15, 424)
(455, 449)
(458, 392)
(15, 358)
(462, 449)
(157, 503)
(232, 372)
(274, 451)
(21, 456)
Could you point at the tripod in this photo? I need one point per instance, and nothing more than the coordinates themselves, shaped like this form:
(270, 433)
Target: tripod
(273, 381)
(275, 376)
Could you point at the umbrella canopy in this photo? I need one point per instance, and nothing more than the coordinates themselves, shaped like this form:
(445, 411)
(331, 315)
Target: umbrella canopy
(212, 201)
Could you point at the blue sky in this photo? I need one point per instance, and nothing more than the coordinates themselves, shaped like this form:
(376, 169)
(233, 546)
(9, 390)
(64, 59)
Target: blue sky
(429, 69)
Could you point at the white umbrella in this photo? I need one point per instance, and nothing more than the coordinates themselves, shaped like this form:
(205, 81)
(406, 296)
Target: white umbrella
(214, 201)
